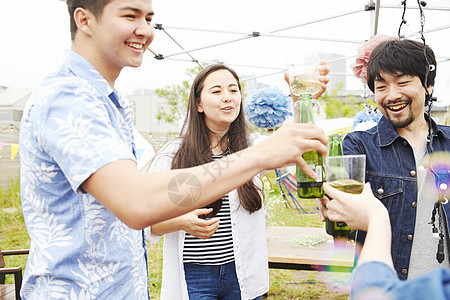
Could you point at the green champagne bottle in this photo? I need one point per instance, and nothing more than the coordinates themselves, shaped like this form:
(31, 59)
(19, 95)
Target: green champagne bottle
(309, 187)
(336, 229)
(335, 145)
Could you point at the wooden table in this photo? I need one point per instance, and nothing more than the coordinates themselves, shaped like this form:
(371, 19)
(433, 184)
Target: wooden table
(306, 248)
(7, 292)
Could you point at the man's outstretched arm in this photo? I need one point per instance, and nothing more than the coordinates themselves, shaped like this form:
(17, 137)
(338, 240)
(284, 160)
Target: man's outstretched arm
(140, 200)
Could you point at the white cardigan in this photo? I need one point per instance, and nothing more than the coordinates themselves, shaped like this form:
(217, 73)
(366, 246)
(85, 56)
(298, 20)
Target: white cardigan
(249, 241)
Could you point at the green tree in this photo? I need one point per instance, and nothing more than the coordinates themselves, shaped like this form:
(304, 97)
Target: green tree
(177, 97)
(342, 107)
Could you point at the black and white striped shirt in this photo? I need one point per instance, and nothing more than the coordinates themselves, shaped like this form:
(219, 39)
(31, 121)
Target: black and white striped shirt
(216, 250)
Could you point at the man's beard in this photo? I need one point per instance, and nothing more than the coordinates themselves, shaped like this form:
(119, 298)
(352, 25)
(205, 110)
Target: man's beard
(396, 123)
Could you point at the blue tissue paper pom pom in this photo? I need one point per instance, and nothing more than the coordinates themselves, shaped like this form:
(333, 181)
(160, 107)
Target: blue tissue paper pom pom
(267, 107)
(368, 114)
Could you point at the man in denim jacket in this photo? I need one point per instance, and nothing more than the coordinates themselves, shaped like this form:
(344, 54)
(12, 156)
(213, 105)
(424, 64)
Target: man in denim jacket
(398, 149)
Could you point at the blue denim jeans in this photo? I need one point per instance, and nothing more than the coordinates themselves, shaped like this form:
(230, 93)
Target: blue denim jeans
(208, 282)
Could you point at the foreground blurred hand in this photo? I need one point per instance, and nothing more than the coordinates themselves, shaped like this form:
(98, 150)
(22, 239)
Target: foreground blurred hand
(357, 210)
(365, 212)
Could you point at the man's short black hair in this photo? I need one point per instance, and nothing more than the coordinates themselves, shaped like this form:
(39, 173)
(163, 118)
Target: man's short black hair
(405, 57)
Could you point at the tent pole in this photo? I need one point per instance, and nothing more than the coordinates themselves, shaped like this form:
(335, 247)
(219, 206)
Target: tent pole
(377, 15)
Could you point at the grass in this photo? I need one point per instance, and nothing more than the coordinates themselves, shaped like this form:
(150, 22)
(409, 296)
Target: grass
(13, 233)
(284, 284)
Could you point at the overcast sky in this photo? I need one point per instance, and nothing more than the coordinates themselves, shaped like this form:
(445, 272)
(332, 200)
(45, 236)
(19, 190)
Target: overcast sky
(34, 34)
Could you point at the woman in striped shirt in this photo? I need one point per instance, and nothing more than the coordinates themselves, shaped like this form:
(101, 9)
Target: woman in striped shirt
(218, 252)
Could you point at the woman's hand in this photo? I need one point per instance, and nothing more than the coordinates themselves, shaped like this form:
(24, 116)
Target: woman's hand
(201, 228)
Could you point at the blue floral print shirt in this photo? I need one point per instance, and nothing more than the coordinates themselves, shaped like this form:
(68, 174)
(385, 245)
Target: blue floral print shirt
(375, 280)
(73, 124)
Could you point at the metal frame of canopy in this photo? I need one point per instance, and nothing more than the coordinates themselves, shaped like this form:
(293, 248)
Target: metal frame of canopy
(373, 7)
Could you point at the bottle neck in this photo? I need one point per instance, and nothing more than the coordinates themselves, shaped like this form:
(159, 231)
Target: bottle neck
(306, 109)
(335, 145)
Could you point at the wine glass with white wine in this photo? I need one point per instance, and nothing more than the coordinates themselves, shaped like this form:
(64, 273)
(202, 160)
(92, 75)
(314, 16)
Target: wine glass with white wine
(347, 174)
(303, 70)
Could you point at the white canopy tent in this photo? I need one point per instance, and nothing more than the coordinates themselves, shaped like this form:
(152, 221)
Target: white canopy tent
(255, 37)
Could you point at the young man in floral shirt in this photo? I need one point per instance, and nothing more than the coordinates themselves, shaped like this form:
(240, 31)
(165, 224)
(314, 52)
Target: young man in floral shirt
(83, 200)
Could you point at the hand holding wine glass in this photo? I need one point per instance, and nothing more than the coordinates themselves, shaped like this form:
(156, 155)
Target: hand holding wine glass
(323, 79)
(347, 174)
(304, 73)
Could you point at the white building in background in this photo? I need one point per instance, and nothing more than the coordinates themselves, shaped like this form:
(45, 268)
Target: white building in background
(145, 105)
(338, 67)
(12, 101)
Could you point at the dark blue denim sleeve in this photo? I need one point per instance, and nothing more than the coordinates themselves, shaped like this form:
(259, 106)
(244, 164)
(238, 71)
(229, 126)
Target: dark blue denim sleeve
(350, 145)
(375, 280)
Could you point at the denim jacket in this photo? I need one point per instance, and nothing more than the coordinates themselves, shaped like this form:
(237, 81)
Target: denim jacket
(391, 171)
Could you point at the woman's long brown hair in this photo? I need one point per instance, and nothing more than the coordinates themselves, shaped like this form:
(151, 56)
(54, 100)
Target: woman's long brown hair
(195, 148)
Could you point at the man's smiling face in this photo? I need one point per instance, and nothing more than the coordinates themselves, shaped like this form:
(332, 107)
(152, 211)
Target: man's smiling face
(400, 98)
